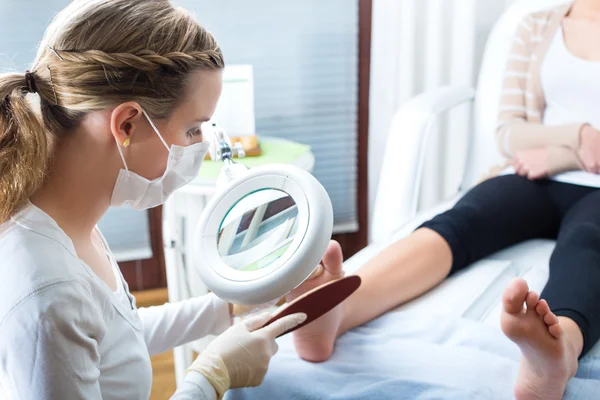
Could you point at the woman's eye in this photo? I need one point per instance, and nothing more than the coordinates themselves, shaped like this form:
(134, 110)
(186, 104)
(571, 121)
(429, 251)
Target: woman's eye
(195, 132)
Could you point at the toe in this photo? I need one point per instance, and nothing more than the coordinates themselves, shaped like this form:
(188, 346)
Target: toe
(317, 272)
(542, 308)
(333, 259)
(550, 318)
(330, 268)
(532, 300)
(556, 331)
(514, 296)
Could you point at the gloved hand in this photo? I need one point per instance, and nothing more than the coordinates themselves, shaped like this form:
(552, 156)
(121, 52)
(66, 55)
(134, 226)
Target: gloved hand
(240, 356)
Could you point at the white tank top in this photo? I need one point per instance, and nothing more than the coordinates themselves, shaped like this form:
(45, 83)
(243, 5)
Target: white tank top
(571, 88)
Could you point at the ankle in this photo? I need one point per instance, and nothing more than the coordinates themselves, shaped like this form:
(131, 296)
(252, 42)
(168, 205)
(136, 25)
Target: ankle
(346, 318)
(572, 335)
(574, 351)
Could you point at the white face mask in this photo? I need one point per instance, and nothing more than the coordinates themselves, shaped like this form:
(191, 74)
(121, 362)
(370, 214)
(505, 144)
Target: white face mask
(140, 193)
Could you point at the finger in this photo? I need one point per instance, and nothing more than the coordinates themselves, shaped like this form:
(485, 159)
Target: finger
(516, 168)
(534, 175)
(517, 165)
(258, 321)
(283, 325)
(587, 162)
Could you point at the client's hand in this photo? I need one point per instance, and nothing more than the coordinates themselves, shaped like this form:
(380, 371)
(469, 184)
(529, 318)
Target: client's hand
(589, 149)
(532, 164)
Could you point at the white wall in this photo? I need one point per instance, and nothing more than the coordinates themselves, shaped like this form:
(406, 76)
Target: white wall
(488, 13)
(390, 53)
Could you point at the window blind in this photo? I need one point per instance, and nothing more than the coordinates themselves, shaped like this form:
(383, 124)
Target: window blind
(305, 60)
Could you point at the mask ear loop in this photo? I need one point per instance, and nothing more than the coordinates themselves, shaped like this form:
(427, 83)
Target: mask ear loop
(156, 130)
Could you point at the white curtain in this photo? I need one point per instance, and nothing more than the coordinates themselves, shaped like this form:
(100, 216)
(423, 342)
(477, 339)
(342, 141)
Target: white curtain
(418, 45)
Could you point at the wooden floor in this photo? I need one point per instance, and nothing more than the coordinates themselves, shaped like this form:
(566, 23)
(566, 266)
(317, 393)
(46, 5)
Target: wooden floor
(163, 374)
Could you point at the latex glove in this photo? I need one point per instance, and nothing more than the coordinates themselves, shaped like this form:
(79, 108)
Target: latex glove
(240, 356)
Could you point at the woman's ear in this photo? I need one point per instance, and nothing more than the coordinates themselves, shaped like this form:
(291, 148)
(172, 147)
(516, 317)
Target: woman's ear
(125, 120)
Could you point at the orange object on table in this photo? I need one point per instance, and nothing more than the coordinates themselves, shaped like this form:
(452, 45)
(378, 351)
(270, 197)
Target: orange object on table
(250, 144)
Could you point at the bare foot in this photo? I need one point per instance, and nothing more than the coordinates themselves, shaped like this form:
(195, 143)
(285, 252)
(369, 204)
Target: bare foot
(548, 360)
(315, 341)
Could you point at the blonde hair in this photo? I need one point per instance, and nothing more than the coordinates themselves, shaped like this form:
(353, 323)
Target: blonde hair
(95, 54)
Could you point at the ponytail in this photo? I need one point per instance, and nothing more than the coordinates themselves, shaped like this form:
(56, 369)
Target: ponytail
(24, 145)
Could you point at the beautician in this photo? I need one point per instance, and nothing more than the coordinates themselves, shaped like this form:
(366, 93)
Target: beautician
(110, 114)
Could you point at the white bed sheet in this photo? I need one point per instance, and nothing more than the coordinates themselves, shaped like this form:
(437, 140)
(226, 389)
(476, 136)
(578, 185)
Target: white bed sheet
(446, 344)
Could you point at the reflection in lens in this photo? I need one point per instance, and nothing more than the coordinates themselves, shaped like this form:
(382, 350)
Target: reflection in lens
(258, 230)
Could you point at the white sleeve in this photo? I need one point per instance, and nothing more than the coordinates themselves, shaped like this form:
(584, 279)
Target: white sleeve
(195, 387)
(49, 346)
(173, 324)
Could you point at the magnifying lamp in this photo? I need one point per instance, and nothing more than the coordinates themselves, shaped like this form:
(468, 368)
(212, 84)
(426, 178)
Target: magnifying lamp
(264, 231)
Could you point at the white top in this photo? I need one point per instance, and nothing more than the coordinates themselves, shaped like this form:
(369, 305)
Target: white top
(65, 334)
(571, 88)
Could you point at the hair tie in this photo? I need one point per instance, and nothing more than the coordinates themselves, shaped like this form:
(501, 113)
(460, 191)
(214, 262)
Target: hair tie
(30, 81)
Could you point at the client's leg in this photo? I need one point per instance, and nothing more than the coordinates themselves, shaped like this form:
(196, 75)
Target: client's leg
(552, 341)
(496, 214)
(426, 261)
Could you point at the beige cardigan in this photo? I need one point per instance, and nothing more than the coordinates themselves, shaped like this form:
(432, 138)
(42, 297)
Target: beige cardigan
(522, 105)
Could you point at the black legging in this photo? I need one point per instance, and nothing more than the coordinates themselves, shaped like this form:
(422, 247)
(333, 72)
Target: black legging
(508, 210)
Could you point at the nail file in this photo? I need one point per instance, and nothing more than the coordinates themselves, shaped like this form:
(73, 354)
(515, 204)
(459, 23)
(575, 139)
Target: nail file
(318, 301)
